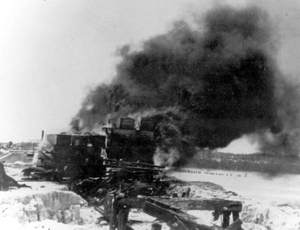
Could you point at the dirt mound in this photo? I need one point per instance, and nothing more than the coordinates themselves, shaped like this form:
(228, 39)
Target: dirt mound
(197, 189)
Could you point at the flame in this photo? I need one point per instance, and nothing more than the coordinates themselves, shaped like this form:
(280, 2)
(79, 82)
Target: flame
(246, 144)
(166, 157)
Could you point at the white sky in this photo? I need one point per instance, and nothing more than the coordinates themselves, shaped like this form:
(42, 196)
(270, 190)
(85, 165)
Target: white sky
(53, 51)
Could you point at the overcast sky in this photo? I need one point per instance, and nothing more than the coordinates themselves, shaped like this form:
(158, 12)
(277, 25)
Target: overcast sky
(52, 52)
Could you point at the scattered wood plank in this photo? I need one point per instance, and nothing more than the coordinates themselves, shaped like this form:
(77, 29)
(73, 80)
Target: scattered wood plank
(176, 219)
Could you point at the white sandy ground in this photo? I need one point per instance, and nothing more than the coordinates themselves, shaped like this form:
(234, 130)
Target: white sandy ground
(268, 203)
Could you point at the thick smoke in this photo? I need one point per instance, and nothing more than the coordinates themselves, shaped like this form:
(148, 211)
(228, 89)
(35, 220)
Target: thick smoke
(94, 111)
(211, 83)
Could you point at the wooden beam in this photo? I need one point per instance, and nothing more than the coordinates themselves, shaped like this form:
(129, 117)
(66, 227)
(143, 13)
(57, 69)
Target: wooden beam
(236, 225)
(128, 227)
(180, 224)
(235, 216)
(156, 226)
(226, 219)
(169, 210)
(122, 217)
(177, 220)
(114, 213)
(203, 204)
(187, 203)
(132, 202)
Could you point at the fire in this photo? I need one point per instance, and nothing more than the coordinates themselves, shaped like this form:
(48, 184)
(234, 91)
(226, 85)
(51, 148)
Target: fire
(166, 158)
(243, 145)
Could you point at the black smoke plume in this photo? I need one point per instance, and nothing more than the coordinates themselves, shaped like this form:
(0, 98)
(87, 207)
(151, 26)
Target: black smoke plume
(210, 82)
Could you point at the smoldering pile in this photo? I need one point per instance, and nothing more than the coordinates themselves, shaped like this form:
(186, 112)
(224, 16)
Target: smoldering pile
(207, 84)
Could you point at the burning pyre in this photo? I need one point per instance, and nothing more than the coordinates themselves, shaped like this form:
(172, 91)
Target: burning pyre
(204, 84)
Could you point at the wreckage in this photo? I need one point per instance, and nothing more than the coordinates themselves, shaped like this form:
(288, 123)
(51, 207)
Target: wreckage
(74, 155)
(115, 173)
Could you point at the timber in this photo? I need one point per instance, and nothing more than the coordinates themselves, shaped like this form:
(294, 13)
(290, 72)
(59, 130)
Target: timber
(113, 216)
(203, 204)
(169, 210)
(176, 220)
(188, 203)
(235, 216)
(122, 217)
(226, 219)
(236, 225)
(156, 226)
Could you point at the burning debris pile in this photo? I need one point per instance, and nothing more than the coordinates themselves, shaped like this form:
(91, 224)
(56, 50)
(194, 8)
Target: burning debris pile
(49, 205)
(117, 183)
(207, 84)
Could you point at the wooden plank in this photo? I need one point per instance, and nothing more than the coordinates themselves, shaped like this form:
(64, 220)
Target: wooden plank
(187, 203)
(122, 217)
(113, 216)
(235, 216)
(216, 214)
(128, 227)
(179, 224)
(169, 209)
(156, 226)
(170, 217)
(236, 225)
(226, 219)
(203, 204)
(132, 202)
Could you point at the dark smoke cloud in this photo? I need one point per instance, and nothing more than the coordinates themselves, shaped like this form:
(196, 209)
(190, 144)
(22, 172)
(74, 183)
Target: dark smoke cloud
(213, 82)
(285, 141)
(94, 111)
